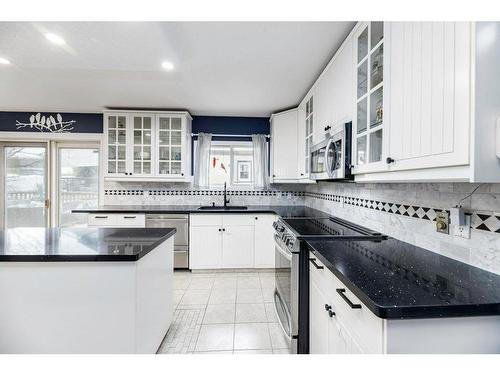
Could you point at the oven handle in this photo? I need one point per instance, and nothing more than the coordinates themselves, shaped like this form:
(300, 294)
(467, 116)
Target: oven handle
(327, 168)
(287, 254)
(276, 295)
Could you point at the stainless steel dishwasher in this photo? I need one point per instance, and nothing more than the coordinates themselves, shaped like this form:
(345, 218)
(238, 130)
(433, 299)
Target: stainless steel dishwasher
(181, 238)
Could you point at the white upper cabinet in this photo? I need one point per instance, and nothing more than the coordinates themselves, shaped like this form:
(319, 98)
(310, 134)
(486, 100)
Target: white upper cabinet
(147, 146)
(284, 141)
(429, 102)
(368, 122)
(173, 145)
(291, 135)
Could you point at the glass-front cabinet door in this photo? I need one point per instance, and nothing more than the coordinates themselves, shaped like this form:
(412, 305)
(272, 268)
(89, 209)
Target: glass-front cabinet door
(116, 144)
(142, 152)
(170, 144)
(368, 124)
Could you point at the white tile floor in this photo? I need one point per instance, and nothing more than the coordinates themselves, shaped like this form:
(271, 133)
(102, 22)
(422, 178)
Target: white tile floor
(224, 313)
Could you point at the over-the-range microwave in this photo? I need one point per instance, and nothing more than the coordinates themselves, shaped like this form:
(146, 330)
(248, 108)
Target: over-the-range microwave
(331, 158)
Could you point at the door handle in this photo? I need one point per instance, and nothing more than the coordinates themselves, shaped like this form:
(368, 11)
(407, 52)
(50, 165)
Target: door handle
(100, 217)
(313, 261)
(352, 305)
(129, 217)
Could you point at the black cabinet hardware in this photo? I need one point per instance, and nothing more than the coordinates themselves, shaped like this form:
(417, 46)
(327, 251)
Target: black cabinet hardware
(256, 218)
(327, 128)
(302, 174)
(331, 313)
(129, 217)
(101, 217)
(313, 261)
(182, 174)
(341, 291)
(223, 229)
(220, 229)
(327, 307)
(274, 175)
(389, 160)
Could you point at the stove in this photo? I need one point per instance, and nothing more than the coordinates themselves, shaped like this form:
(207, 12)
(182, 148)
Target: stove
(291, 295)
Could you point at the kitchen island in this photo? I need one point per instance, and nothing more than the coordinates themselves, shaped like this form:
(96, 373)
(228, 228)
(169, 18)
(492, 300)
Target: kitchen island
(85, 290)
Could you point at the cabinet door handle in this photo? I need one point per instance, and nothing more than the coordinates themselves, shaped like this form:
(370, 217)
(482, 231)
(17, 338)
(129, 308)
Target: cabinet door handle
(129, 217)
(223, 229)
(389, 160)
(331, 313)
(313, 261)
(341, 291)
(220, 229)
(100, 217)
(327, 307)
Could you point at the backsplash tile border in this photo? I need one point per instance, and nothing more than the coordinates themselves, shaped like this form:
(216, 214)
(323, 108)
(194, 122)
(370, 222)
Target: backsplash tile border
(234, 193)
(479, 220)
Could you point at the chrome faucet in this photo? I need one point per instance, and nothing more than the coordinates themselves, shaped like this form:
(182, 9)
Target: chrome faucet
(226, 201)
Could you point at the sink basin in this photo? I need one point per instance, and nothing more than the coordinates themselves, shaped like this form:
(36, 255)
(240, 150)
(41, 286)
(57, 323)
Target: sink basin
(222, 208)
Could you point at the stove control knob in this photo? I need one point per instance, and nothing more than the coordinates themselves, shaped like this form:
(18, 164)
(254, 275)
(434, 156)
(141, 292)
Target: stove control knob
(280, 229)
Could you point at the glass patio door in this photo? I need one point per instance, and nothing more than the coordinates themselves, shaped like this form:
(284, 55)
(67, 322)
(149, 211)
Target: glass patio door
(25, 185)
(78, 182)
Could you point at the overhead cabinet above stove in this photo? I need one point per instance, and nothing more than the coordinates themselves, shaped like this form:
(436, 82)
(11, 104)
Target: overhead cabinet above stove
(423, 99)
(147, 146)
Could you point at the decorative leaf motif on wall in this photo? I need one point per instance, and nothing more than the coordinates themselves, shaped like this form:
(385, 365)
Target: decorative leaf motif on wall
(47, 124)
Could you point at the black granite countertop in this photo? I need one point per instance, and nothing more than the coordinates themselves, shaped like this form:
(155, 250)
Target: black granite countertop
(283, 211)
(79, 244)
(397, 280)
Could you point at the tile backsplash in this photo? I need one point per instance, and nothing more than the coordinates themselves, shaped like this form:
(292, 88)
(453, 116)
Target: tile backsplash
(151, 193)
(408, 211)
(403, 211)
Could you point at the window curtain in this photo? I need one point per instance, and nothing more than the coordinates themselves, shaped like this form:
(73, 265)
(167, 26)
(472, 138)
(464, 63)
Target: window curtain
(202, 161)
(260, 162)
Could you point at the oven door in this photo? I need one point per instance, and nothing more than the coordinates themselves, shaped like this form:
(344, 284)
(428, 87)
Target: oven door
(286, 293)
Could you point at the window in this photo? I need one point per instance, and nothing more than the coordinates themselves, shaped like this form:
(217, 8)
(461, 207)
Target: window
(231, 163)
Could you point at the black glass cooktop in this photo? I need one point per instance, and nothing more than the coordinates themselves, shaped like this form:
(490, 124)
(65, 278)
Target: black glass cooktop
(326, 227)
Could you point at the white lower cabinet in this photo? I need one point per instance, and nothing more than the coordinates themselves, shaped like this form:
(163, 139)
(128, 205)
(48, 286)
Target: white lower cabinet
(237, 246)
(336, 328)
(264, 241)
(333, 328)
(106, 220)
(205, 247)
(231, 241)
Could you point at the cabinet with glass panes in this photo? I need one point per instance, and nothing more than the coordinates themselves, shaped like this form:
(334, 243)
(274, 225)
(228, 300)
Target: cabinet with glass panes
(369, 119)
(171, 141)
(148, 146)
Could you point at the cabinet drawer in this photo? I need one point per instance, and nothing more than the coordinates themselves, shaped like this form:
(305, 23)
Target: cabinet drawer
(364, 326)
(101, 220)
(131, 220)
(232, 220)
(117, 220)
(205, 220)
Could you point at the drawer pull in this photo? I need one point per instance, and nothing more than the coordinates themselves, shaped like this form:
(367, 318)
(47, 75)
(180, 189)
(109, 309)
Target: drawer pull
(341, 291)
(331, 313)
(130, 217)
(100, 217)
(313, 261)
(327, 307)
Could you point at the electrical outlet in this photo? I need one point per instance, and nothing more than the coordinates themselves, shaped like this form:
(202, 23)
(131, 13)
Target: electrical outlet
(463, 230)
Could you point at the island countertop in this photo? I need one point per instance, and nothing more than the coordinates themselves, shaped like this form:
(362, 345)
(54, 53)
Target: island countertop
(397, 280)
(79, 244)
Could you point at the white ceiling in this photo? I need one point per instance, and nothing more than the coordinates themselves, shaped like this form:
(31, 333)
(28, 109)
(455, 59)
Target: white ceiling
(244, 69)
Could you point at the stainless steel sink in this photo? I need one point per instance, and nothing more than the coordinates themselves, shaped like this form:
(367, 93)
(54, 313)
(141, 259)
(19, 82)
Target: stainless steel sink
(222, 208)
